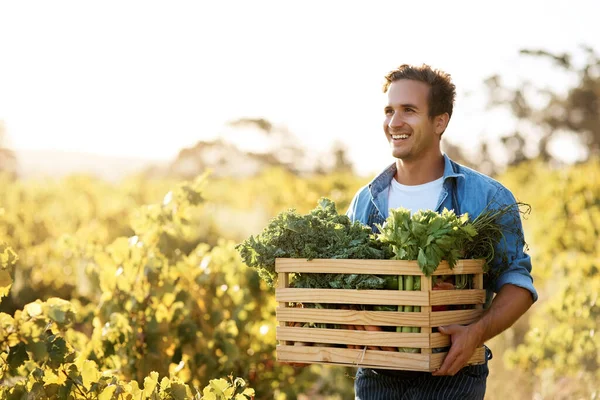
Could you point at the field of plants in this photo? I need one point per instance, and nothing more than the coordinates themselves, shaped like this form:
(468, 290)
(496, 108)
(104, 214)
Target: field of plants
(135, 290)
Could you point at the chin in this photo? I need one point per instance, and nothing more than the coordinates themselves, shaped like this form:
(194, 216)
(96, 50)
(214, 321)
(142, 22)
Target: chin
(398, 155)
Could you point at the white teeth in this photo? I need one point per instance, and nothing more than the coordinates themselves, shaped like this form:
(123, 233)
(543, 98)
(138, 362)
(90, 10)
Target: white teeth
(399, 136)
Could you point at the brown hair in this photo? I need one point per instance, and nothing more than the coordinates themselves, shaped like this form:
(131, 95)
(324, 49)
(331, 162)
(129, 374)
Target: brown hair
(441, 89)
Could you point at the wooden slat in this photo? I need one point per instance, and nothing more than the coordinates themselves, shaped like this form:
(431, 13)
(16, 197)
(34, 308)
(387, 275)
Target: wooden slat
(478, 281)
(368, 358)
(426, 283)
(346, 266)
(461, 267)
(438, 340)
(438, 358)
(366, 338)
(478, 284)
(345, 336)
(282, 283)
(463, 317)
(380, 297)
(351, 296)
(379, 267)
(352, 317)
(448, 297)
(351, 357)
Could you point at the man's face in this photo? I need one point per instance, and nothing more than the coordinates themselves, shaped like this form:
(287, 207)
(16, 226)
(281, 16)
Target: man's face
(407, 126)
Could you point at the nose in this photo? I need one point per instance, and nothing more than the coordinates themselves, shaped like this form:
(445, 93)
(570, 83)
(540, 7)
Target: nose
(395, 121)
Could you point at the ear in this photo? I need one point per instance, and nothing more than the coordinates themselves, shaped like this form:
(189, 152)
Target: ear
(440, 123)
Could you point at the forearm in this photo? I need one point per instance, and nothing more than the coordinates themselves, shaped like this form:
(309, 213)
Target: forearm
(510, 303)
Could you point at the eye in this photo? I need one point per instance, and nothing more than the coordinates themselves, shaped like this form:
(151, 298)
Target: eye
(409, 110)
(388, 111)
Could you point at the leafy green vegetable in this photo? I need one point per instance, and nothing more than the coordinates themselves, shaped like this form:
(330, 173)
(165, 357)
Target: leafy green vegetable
(339, 281)
(491, 225)
(427, 236)
(322, 233)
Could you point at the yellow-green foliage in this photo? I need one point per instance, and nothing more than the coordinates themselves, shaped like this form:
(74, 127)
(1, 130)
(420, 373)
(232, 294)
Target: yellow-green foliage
(153, 289)
(563, 343)
(137, 288)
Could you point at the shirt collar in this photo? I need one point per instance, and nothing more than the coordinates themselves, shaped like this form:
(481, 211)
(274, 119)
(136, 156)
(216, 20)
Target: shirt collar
(383, 180)
(451, 169)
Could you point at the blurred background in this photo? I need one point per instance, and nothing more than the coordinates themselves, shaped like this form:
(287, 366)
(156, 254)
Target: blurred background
(107, 107)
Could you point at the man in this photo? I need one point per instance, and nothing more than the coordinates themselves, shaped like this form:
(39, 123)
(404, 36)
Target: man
(419, 107)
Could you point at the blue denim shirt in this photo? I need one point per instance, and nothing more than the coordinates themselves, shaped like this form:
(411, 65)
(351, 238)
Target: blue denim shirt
(464, 191)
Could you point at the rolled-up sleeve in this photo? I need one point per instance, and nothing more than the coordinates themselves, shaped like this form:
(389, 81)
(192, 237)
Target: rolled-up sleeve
(514, 265)
(518, 274)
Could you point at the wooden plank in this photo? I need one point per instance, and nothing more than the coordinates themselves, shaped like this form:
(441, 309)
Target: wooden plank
(345, 336)
(426, 283)
(461, 267)
(449, 297)
(438, 358)
(352, 296)
(478, 281)
(478, 284)
(369, 359)
(462, 317)
(347, 266)
(352, 317)
(379, 267)
(354, 358)
(439, 340)
(282, 283)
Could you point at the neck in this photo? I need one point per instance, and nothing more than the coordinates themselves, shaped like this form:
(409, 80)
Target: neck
(418, 172)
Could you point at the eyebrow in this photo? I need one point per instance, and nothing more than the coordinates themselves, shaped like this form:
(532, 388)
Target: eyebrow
(407, 105)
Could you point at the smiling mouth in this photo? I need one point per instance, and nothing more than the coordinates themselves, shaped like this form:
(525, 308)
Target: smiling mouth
(400, 137)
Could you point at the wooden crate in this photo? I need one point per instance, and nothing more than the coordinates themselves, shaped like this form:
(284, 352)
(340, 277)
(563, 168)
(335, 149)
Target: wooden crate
(332, 348)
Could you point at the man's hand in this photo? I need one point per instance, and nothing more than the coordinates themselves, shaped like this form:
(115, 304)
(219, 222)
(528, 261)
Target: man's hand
(465, 340)
(509, 304)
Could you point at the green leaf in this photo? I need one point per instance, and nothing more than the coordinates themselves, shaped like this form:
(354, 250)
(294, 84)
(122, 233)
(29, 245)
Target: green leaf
(57, 315)
(219, 385)
(51, 378)
(17, 355)
(5, 283)
(208, 395)
(179, 391)
(57, 350)
(33, 309)
(89, 373)
(107, 393)
(150, 383)
(8, 334)
(135, 390)
(39, 350)
(8, 258)
(430, 238)
(59, 310)
(421, 259)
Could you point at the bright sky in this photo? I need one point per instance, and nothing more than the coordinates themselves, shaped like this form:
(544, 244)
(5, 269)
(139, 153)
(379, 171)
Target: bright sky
(146, 78)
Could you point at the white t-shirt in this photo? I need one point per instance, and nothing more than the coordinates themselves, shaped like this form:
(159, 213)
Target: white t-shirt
(417, 197)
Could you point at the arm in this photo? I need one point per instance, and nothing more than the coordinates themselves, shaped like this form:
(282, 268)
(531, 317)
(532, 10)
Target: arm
(508, 306)
(515, 294)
